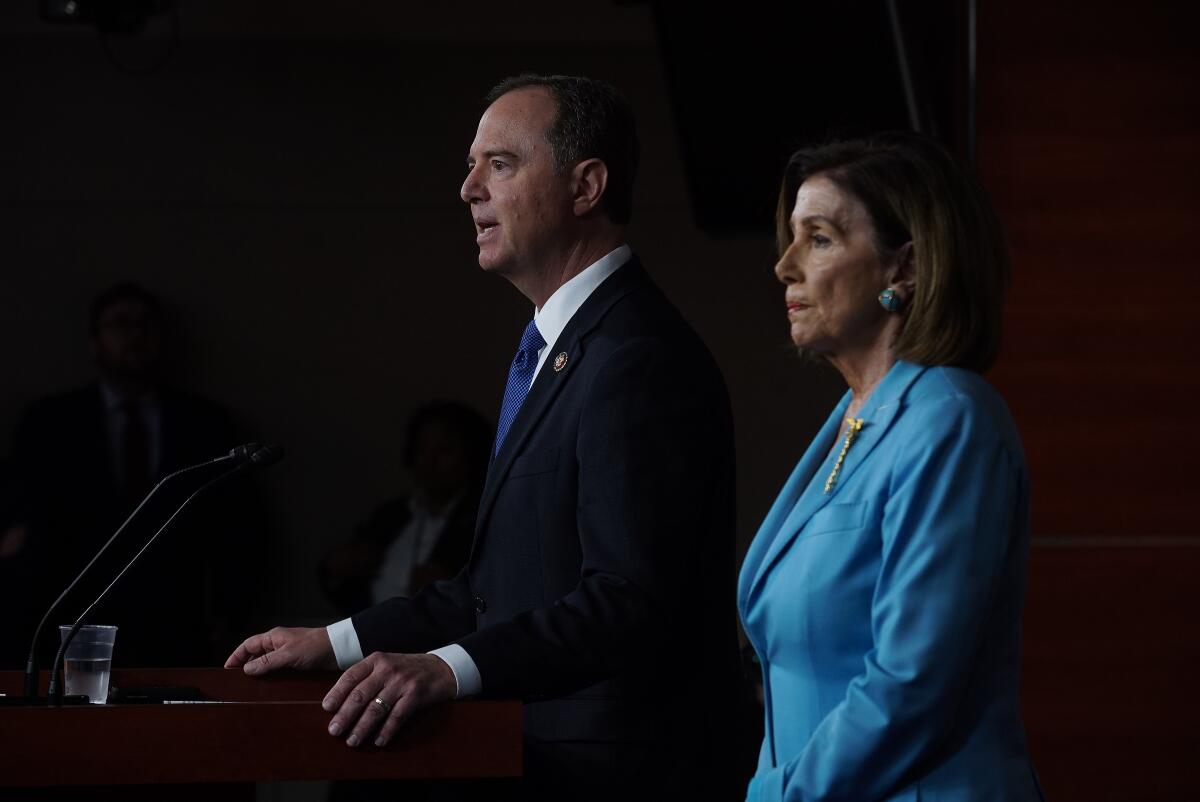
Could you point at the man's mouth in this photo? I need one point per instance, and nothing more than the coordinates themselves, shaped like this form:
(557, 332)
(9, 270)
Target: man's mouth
(484, 229)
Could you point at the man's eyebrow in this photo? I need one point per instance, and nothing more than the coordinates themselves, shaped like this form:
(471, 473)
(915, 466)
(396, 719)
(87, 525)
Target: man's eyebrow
(492, 154)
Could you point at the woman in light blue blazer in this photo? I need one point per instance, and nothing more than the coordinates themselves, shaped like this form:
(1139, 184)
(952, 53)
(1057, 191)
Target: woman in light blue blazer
(883, 591)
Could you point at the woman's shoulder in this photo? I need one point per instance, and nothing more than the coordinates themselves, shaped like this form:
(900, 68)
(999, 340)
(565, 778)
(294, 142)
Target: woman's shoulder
(961, 400)
(949, 382)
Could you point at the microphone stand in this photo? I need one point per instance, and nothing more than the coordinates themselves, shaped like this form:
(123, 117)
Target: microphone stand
(54, 693)
(240, 454)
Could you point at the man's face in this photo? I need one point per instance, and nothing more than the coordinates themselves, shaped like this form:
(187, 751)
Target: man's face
(522, 207)
(439, 460)
(127, 343)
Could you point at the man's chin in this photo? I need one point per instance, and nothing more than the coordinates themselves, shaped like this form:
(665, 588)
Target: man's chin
(494, 263)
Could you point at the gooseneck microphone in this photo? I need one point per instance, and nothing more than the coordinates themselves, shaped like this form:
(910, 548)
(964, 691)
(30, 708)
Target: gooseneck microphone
(260, 456)
(236, 458)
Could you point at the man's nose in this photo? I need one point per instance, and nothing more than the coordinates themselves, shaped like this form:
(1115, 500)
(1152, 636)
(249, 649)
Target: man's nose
(472, 187)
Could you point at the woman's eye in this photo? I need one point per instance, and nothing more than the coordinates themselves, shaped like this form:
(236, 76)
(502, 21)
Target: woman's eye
(820, 240)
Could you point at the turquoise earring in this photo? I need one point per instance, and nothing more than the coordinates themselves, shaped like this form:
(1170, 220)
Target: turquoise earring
(889, 300)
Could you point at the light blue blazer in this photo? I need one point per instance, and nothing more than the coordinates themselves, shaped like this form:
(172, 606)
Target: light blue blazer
(886, 613)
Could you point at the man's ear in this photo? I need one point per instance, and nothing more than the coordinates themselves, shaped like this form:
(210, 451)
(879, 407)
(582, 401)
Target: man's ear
(903, 274)
(589, 180)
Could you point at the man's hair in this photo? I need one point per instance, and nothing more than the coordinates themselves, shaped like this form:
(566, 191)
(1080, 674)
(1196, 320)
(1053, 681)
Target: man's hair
(914, 190)
(118, 293)
(592, 121)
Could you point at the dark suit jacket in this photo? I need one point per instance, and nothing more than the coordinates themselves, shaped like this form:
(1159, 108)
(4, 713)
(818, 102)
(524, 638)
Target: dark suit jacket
(599, 587)
(190, 583)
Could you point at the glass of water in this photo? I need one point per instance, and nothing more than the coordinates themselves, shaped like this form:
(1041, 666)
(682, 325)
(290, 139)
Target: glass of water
(88, 660)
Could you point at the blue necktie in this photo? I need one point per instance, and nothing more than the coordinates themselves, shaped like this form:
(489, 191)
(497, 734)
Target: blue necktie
(520, 376)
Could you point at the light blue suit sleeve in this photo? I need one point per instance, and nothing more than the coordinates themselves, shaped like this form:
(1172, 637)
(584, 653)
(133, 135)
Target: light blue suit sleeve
(946, 534)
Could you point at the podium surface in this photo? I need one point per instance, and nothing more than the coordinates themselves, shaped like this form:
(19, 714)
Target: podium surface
(251, 730)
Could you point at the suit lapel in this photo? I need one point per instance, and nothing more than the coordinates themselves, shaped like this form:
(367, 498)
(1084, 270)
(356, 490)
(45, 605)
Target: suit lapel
(878, 415)
(550, 382)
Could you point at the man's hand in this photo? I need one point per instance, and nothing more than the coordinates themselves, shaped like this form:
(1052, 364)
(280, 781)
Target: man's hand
(302, 648)
(405, 683)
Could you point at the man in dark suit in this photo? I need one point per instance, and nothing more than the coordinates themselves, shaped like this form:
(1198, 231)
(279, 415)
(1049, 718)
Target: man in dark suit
(83, 459)
(598, 587)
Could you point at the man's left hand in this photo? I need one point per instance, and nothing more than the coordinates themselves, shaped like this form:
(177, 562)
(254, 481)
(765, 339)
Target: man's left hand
(405, 682)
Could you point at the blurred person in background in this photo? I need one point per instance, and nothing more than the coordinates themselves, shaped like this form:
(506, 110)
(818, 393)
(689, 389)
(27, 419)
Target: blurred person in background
(82, 460)
(423, 536)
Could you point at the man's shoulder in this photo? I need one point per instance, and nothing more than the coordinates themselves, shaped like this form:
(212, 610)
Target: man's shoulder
(640, 308)
(66, 404)
(186, 408)
(631, 331)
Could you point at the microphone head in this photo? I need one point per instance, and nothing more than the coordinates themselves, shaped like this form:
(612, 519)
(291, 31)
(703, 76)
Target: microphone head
(267, 455)
(244, 452)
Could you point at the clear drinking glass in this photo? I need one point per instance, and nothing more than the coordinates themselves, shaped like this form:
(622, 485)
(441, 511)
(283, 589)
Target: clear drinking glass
(88, 661)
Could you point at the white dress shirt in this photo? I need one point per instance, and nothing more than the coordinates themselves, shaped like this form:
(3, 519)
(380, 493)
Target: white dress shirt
(410, 548)
(551, 320)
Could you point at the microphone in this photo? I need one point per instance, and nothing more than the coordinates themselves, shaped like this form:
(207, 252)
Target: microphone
(239, 456)
(261, 456)
(266, 455)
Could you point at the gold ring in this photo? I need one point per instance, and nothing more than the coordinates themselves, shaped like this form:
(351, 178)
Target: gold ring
(386, 707)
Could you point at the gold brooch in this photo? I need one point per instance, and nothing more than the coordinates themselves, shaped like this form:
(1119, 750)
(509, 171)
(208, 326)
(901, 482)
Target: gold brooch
(560, 361)
(852, 428)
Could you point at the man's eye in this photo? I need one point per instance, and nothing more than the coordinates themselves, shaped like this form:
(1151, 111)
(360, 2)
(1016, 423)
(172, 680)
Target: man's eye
(498, 165)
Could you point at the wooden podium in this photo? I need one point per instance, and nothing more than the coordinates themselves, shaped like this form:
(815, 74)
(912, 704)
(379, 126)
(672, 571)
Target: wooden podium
(260, 729)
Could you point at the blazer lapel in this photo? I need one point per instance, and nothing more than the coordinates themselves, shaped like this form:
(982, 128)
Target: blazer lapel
(795, 505)
(765, 543)
(878, 415)
(550, 382)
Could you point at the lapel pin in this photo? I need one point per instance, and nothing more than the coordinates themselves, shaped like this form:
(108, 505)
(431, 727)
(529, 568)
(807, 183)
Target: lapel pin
(560, 361)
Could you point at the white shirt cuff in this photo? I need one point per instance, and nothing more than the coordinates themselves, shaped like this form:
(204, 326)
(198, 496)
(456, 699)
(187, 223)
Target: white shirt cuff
(346, 647)
(466, 673)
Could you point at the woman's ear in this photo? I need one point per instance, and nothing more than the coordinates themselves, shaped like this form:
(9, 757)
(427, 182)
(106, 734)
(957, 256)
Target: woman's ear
(590, 180)
(903, 274)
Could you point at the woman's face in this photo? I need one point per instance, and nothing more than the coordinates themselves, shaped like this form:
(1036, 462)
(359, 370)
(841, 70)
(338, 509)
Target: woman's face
(833, 272)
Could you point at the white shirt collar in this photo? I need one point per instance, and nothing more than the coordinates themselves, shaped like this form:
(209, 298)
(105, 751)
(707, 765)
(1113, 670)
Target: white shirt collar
(560, 307)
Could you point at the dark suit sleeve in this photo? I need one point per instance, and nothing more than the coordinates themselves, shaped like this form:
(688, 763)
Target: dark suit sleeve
(653, 447)
(440, 613)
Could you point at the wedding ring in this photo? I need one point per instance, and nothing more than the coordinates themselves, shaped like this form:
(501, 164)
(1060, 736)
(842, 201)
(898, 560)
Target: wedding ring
(386, 707)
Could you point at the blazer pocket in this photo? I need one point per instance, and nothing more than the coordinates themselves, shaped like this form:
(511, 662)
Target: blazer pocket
(837, 518)
(534, 463)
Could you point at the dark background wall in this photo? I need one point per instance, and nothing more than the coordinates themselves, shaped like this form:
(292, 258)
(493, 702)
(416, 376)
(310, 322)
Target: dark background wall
(288, 182)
